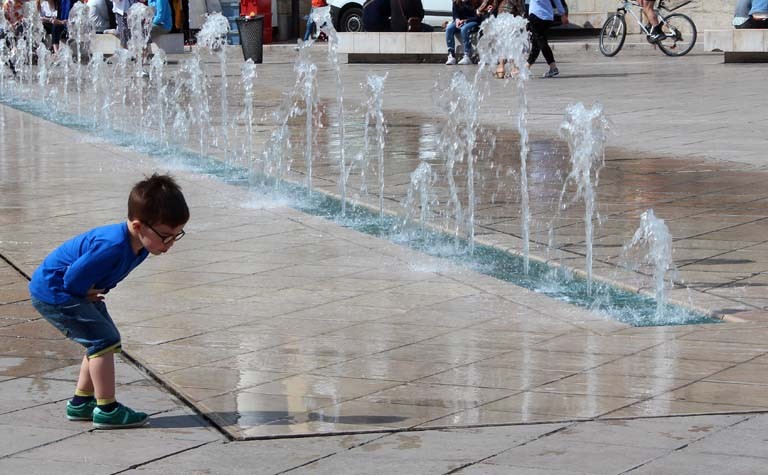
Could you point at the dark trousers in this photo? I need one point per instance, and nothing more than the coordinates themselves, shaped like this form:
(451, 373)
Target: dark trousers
(56, 32)
(539, 43)
(752, 23)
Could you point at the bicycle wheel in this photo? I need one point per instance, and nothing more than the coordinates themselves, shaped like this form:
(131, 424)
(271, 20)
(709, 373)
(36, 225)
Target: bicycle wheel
(612, 35)
(681, 35)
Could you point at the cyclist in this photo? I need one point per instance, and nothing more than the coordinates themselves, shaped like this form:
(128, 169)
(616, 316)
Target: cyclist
(656, 34)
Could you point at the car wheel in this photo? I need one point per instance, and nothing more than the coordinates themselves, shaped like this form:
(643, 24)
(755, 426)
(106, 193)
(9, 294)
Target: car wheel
(352, 20)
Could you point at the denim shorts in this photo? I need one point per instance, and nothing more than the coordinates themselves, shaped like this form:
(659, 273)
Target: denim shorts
(84, 322)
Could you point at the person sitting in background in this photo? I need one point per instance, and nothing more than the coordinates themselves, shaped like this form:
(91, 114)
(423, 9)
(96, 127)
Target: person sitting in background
(751, 14)
(14, 14)
(49, 11)
(465, 20)
(407, 15)
(162, 22)
(376, 15)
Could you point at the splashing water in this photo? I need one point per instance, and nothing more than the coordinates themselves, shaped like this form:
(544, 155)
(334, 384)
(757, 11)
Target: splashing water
(374, 111)
(120, 78)
(139, 23)
(5, 57)
(449, 140)
(248, 81)
(98, 81)
(213, 37)
(306, 72)
(188, 102)
(159, 107)
(322, 18)
(33, 34)
(585, 131)
(276, 156)
(80, 28)
(651, 246)
(505, 38)
(43, 58)
(421, 185)
(192, 95)
(62, 67)
(213, 33)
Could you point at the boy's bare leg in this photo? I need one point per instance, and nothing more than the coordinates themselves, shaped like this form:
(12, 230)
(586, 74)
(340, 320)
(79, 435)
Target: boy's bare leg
(102, 371)
(84, 381)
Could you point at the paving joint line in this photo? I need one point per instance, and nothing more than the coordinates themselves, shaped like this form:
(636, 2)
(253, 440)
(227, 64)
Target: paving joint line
(684, 446)
(135, 466)
(539, 437)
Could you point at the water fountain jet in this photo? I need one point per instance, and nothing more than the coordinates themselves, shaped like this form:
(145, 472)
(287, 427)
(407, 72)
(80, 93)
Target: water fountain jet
(651, 246)
(585, 131)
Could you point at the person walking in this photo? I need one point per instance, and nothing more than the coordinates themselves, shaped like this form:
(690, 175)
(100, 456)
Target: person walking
(540, 19)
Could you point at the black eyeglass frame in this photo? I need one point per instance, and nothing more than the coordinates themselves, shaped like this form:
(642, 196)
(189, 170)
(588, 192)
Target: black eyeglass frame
(165, 238)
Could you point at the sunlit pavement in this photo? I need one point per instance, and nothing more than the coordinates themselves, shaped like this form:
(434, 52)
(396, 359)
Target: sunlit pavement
(272, 323)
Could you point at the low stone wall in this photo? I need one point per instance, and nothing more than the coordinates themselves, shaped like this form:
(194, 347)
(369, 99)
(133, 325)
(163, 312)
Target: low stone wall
(738, 45)
(393, 43)
(171, 43)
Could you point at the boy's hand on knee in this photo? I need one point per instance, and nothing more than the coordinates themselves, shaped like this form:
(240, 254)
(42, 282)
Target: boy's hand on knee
(95, 295)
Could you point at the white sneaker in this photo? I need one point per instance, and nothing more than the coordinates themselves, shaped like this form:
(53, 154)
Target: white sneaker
(465, 60)
(451, 60)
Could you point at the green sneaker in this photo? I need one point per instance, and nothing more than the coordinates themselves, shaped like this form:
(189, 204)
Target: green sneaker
(121, 417)
(83, 412)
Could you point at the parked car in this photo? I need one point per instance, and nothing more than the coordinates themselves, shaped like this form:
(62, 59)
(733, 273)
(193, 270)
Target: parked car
(347, 15)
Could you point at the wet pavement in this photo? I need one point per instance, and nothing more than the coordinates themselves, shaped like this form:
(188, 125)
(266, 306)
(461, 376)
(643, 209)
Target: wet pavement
(272, 323)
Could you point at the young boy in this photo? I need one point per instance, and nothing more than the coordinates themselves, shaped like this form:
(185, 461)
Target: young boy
(69, 286)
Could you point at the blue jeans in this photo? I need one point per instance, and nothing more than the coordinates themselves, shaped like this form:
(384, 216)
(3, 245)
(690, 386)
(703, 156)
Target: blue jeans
(310, 25)
(466, 30)
(759, 6)
(84, 322)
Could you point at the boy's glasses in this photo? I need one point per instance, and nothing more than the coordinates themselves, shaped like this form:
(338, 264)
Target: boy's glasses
(167, 239)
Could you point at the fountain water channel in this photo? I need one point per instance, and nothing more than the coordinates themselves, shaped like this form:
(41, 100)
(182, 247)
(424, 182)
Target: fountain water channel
(435, 214)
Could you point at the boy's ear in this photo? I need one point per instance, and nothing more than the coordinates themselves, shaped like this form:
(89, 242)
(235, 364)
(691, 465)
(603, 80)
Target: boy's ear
(135, 224)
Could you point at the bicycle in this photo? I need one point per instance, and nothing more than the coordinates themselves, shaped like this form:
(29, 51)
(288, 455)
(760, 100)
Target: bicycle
(679, 29)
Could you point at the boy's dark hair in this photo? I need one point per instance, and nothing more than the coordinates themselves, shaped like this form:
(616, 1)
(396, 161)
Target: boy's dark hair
(158, 200)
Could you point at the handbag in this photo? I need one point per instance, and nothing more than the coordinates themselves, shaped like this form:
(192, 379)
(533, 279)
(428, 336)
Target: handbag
(414, 24)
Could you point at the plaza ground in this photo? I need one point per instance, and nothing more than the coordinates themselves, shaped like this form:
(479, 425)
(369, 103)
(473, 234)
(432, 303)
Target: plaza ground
(337, 352)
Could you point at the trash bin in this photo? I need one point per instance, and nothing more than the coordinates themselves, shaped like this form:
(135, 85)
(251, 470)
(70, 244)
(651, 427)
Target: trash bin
(251, 37)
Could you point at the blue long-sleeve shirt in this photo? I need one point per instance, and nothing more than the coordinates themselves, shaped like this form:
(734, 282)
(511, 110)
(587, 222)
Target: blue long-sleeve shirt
(543, 9)
(162, 13)
(465, 11)
(99, 258)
